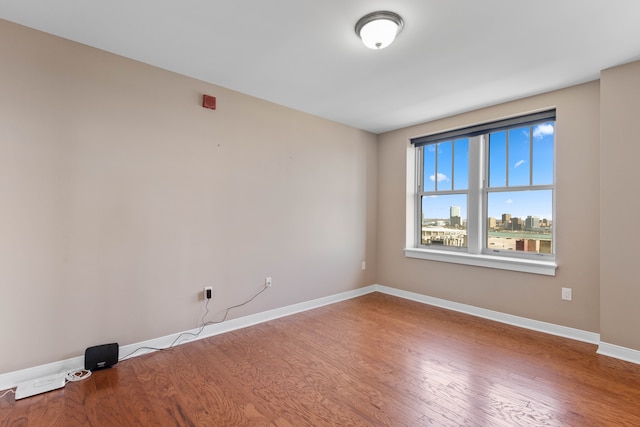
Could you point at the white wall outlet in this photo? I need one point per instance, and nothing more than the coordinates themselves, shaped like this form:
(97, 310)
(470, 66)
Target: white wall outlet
(567, 294)
(364, 265)
(267, 282)
(208, 292)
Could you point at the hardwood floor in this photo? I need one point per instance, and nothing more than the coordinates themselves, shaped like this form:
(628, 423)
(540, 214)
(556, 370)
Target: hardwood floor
(376, 360)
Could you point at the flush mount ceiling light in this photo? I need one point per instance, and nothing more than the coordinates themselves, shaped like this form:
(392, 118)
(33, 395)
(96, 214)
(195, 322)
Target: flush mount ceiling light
(378, 29)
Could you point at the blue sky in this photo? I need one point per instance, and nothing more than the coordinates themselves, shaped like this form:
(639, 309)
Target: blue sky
(520, 166)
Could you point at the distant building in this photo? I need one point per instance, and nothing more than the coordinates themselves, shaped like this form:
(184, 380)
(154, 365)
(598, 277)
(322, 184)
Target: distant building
(516, 224)
(455, 219)
(454, 211)
(506, 221)
(545, 247)
(444, 236)
(532, 223)
(528, 245)
(492, 223)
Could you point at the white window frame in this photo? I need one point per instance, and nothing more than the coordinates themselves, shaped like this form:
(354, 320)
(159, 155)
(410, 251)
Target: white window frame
(477, 196)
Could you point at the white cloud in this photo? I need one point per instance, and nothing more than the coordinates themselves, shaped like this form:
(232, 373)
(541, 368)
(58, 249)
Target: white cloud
(543, 130)
(518, 163)
(509, 201)
(441, 177)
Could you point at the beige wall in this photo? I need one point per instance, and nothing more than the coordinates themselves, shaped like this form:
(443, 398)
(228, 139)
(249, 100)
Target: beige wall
(121, 198)
(620, 206)
(577, 220)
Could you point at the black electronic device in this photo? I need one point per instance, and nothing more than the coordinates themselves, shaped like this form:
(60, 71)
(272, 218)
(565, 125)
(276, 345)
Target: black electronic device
(101, 356)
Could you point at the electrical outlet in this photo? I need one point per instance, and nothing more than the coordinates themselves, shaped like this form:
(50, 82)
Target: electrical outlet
(364, 265)
(567, 294)
(208, 292)
(267, 282)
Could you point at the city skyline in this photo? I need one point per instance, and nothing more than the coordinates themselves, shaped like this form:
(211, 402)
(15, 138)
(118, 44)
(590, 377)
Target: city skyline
(520, 156)
(439, 207)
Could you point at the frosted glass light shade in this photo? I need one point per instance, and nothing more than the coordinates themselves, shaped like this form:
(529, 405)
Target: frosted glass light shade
(379, 29)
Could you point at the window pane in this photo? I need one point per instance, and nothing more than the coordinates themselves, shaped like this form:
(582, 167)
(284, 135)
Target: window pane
(429, 171)
(444, 220)
(461, 164)
(519, 162)
(520, 221)
(498, 159)
(445, 152)
(543, 153)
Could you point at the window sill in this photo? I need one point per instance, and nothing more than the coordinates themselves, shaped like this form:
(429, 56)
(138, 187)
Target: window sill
(547, 268)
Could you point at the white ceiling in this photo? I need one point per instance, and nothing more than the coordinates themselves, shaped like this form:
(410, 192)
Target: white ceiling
(452, 56)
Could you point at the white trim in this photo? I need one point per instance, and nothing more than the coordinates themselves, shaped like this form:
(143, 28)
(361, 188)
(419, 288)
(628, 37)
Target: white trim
(523, 322)
(11, 379)
(477, 205)
(618, 352)
(413, 208)
(547, 268)
(241, 322)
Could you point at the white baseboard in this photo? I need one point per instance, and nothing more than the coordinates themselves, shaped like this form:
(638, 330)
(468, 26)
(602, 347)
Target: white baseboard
(239, 323)
(11, 379)
(523, 322)
(618, 352)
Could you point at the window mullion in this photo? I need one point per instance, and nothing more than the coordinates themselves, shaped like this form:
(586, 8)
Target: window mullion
(506, 157)
(474, 202)
(530, 155)
(420, 185)
(453, 169)
(435, 172)
(420, 170)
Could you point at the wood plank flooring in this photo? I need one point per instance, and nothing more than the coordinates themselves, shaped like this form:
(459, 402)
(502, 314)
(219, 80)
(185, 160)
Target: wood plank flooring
(375, 360)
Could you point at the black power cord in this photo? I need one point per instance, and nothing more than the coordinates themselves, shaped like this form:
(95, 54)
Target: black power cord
(204, 325)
